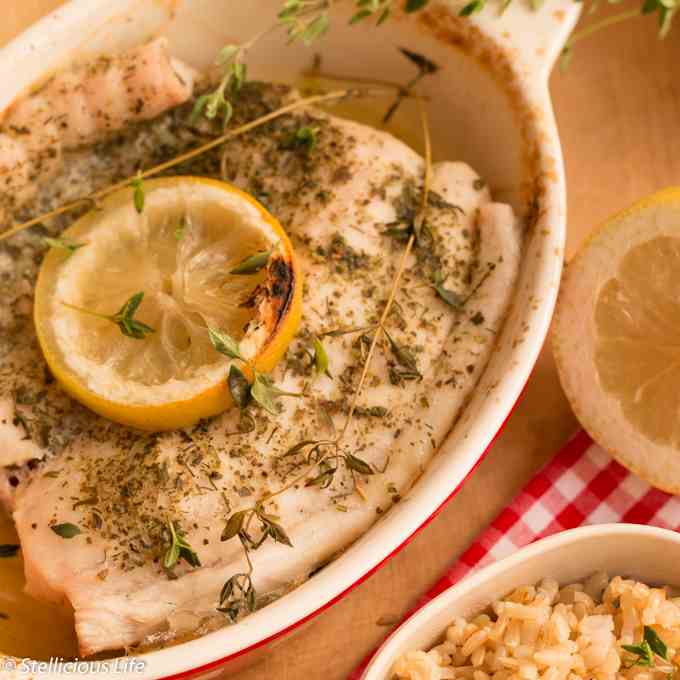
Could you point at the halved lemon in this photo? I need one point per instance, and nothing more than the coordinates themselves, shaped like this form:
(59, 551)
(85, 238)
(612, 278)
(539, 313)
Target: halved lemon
(183, 249)
(617, 338)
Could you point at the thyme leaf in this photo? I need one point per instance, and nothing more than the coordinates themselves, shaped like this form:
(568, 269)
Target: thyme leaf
(265, 393)
(321, 360)
(472, 7)
(425, 68)
(424, 65)
(237, 595)
(305, 20)
(225, 344)
(451, 298)
(402, 354)
(234, 525)
(138, 193)
(252, 264)
(643, 653)
(325, 477)
(8, 550)
(178, 549)
(274, 530)
(358, 465)
(656, 644)
(66, 530)
(124, 319)
(239, 387)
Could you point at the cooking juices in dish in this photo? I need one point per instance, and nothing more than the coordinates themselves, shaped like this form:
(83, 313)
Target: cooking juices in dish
(100, 509)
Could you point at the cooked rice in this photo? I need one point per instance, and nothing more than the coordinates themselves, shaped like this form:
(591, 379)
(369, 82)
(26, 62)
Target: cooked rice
(543, 632)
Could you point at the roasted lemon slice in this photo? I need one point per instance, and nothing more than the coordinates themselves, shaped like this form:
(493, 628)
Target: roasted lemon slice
(123, 307)
(617, 338)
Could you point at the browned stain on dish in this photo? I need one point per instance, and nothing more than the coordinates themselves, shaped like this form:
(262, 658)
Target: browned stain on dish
(538, 168)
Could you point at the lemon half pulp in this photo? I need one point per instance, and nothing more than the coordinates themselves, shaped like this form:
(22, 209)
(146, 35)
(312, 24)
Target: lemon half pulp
(617, 338)
(180, 252)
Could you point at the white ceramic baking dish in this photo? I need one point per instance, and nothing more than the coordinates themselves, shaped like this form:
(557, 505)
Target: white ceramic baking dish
(489, 106)
(647, 554)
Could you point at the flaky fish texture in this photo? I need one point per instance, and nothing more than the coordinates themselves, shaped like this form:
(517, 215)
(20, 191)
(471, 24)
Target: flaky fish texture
(348, 205)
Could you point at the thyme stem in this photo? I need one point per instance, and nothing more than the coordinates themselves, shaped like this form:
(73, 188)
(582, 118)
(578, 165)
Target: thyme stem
(83, 310)
(402, 265)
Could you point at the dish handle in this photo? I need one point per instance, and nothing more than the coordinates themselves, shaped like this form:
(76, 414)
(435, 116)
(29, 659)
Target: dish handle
(535, 36)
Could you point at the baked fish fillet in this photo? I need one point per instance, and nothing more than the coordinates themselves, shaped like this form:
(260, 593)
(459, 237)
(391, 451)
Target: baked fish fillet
(348, 206)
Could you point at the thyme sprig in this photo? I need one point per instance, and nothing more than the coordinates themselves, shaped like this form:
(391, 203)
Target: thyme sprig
(425, 68)
(231, 59)
(124, 318)
(648, 651)
(262, 390)
(303, 20)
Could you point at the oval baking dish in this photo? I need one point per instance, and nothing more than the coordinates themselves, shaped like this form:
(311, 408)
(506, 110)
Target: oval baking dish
(489, 107)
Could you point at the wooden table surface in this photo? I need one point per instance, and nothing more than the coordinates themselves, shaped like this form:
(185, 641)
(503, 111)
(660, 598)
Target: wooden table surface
(618, 111)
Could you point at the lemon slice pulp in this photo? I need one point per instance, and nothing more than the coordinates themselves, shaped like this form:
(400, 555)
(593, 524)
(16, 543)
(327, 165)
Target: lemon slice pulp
(617, 338)
(180, 251)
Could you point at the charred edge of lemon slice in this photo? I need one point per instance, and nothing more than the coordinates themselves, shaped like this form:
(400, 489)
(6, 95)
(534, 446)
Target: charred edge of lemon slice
(285, 298)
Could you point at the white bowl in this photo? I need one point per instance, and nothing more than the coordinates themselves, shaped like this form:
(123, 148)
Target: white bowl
(647, 554)
(490, 107)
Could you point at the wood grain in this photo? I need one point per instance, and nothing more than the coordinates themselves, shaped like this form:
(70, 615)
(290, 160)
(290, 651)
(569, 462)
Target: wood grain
(617, 108)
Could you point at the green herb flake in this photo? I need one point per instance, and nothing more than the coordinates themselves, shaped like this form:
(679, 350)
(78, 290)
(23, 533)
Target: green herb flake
(303, 138)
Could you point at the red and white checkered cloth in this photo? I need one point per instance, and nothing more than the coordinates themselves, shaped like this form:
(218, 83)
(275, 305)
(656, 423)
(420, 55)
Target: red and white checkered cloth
(581, 485)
